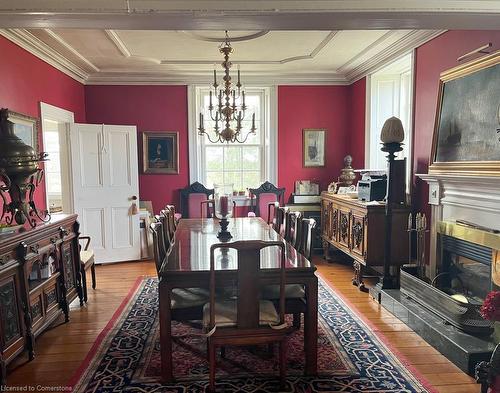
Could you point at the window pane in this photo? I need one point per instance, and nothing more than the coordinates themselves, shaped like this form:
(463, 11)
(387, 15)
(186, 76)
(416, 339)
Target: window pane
(232, 158)
(251, 158)
(54, 184)
(214, 158)
(251, 179)
(233, 178)
(214, 178)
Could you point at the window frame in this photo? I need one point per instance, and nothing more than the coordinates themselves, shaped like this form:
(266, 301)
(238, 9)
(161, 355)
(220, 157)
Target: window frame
(268, 146)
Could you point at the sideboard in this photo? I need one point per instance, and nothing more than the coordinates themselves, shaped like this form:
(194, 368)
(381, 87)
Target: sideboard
(39, 278)
(358, 229)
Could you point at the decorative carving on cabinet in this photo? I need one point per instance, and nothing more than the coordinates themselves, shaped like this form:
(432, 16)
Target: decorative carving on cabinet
(344, 227)
(335, 223)
(4, 259)
(10, 318)
(36, 310)
(34, 248)
(52, 296)
(357, 233)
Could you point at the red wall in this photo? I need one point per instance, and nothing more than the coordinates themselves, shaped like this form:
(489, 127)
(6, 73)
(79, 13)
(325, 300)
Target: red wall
(150, 108)
(357, 108)
(432, 58)
(26, 80)
(302, 107)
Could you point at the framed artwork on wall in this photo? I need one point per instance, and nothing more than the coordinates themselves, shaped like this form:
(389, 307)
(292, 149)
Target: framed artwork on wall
(313, 141)
(467, 127)
(25, 128)
(160, 152)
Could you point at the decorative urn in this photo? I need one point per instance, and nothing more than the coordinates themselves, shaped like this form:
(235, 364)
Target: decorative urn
(19, 176)
(347, 175)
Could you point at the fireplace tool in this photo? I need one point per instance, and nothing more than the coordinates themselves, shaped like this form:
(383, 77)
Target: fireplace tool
(19, 177)
(419, 226)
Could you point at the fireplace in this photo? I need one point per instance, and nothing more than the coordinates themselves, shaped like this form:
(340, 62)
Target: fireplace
(463, 277)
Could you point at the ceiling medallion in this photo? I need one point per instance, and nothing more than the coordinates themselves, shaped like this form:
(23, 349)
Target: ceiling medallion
(226, 114)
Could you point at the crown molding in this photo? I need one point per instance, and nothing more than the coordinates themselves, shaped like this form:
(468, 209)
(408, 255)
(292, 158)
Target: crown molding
(131, 78)
(410, 41)
(35, 46)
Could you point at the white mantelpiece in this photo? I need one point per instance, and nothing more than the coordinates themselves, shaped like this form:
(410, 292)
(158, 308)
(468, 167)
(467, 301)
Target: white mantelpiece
(458, 197)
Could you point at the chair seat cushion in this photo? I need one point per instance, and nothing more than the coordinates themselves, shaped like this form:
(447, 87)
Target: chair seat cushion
(292, 291)
(226, 310)
(86, 256)
(188, 297)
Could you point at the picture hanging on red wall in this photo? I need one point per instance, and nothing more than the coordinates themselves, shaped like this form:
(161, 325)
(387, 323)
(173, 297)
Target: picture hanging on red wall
(160, 152)
(313, 141)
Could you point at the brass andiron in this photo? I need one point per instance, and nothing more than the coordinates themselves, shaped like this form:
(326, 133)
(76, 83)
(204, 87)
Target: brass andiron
(420, 228)
(19, 177)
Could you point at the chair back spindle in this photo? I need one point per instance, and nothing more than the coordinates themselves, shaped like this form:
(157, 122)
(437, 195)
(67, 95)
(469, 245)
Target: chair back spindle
(306, 237)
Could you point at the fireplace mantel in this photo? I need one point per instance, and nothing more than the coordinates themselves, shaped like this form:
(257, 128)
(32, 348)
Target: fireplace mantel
(461, 197)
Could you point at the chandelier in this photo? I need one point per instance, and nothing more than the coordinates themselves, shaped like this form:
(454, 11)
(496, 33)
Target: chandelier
(226, 114)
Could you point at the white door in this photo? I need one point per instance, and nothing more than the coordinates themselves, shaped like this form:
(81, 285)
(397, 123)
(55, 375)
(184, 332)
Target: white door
(105, 183)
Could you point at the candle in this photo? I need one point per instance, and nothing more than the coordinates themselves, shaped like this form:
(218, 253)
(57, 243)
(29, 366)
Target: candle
(410, 223)
(223, 205)
(238, 75)
(234, 98)
(201, 120)
(215, 78)
(253, 121)
(210, 97)
(243, 98)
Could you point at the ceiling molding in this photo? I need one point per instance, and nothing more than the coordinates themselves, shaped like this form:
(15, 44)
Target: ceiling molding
(67, 46)
(35, 46)
(120, 45)
(247, 37)
(311, 55)
(129, 78)
(410, 41)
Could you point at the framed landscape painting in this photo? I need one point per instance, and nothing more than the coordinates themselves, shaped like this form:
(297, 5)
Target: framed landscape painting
(467, 128)
(25, 128)
(160, 152)
(313, 141)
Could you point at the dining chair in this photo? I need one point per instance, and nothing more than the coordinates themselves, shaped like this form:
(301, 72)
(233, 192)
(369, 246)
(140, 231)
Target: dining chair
(191, 198)
(265, 194)
(186, 304)
(248, 319)
(292, 228)
(174, 218)
(168, 235)
(271, 212)
(87, 261)
(280, 224)
(295, 294)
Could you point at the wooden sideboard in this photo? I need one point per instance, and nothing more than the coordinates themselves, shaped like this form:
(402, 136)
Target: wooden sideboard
(39, 278)
(358, 229)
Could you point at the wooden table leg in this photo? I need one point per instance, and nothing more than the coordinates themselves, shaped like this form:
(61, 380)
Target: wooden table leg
(165, 332)
(311, 327)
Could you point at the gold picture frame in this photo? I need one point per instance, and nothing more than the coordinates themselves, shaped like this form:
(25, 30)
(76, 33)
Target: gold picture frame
(25, 128)
(313, 147)
(160, 152)
(468, 85)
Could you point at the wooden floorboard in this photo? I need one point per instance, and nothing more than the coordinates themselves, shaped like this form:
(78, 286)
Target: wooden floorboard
(60, 350)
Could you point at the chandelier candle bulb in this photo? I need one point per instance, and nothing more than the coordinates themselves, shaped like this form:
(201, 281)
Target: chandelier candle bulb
(210, 98)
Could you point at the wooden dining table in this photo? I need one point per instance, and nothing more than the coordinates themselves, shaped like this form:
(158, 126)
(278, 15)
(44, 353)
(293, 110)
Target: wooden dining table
(188, 265)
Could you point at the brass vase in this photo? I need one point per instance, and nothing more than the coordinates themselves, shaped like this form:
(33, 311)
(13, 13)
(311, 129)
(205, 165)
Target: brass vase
(19, 176)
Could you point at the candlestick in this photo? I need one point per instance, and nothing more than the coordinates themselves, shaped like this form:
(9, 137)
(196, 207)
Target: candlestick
(243, 99)
(215, 77)
(239, 76)
(210, 98)
(234, 98)
(201, 120)
(253, 122)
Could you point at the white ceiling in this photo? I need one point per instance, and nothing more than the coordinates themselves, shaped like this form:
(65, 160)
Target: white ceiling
(160, 56)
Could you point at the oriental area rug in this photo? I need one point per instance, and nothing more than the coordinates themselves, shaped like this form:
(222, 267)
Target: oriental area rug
(351, 358)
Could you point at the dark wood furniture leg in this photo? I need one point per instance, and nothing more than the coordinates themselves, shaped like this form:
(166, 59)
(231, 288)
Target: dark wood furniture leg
(92, 271)
(84, 283)
(311, 327)
(165, 332)
(358, 276)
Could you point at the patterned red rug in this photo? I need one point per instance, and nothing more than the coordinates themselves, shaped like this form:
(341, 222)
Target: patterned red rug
(126, 358)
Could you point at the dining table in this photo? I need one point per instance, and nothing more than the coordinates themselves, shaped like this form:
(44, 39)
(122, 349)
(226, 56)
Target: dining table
(187, 265)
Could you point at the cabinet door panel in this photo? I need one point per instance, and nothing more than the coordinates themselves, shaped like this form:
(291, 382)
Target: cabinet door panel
(9, 311)
(358, 234)
(344, 228)
(68, 265)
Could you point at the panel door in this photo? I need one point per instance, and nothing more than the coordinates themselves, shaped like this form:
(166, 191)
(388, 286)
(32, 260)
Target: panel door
(358, 234)
(344, 228)
(105, 183)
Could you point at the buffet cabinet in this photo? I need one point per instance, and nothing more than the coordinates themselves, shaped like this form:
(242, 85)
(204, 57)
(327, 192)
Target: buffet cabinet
(39, 278)
(358, 229)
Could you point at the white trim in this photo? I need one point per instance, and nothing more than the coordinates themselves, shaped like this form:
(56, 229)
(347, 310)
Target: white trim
(273, 136)
(59, 115)
(194, 148)
(36, 47)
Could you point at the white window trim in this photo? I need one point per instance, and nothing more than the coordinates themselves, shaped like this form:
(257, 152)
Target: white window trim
(410, 132)
(59, 115)
(270, 126)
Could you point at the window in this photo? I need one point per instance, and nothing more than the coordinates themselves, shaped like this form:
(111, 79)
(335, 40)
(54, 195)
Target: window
(244, 165)
(390, 94)
(51, 145)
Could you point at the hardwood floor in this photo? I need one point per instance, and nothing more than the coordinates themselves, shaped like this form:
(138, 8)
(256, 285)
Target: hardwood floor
(59, 351)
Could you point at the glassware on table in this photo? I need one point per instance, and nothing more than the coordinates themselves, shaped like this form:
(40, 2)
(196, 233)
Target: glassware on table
(223, 196)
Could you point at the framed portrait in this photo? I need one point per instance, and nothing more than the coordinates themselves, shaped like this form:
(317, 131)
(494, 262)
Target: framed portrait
(160, 152)
(467, 127)
(25, 128)
(313, 141)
